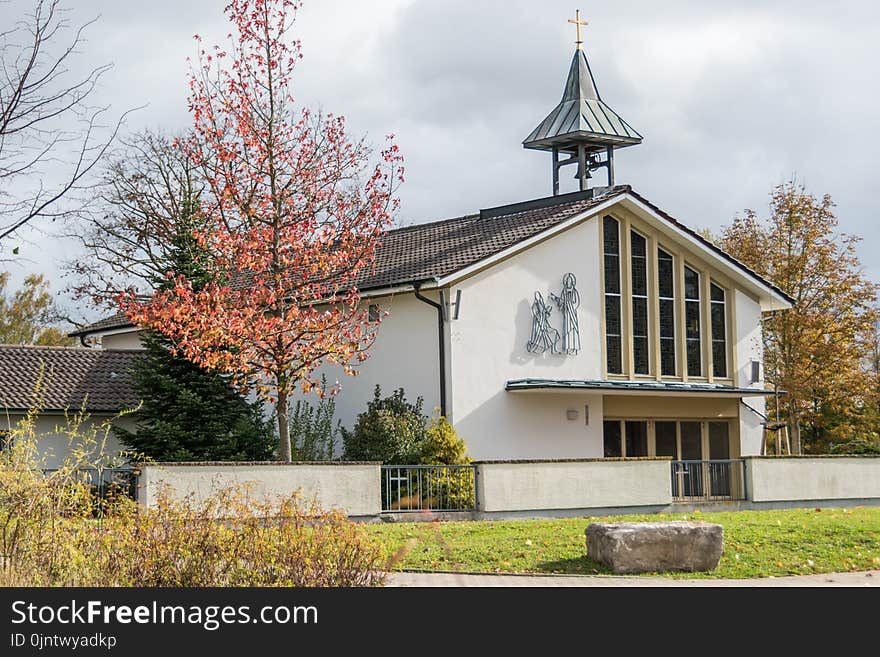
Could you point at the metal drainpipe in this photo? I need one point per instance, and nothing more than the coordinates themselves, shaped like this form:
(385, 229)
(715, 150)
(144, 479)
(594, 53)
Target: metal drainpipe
(441, 343)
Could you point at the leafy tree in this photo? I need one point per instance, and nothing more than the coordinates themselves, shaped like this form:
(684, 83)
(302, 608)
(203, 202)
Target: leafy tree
(391, 430)
(293, 214)
(27, 315)
(816, 351)
(189, 414)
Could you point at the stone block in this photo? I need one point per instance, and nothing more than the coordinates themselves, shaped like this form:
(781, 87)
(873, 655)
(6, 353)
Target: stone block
(646, 547)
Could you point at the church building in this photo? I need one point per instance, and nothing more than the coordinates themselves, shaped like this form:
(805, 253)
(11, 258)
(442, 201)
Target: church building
(589, 324)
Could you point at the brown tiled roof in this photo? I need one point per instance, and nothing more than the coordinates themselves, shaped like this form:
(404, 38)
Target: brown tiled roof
(71, 376)
(433, 250)
(437, 249)
(118, 320)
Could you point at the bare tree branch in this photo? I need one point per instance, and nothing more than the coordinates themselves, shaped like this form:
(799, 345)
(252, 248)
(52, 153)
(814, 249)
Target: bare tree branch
(47, 127)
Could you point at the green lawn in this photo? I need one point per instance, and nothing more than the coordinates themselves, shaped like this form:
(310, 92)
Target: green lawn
(756, 543)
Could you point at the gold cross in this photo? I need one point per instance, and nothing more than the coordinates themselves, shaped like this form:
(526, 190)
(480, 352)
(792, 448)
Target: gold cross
(578, 22)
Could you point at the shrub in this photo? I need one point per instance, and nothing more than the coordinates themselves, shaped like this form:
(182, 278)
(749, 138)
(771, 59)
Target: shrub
(314, 429)
(869, 444)
(391, 430)
(50, 537)
(442, 444)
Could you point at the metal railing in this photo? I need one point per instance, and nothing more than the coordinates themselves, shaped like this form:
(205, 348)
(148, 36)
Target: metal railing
(104, 481)
(428, 488)
(708, 480)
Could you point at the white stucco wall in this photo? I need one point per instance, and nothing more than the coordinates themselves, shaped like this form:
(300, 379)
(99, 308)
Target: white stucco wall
(128, 340)
(488, 348)
(812, 478)
(53, 444)
(350, 487)
(599, 484)
(749, 347)
(404, 355)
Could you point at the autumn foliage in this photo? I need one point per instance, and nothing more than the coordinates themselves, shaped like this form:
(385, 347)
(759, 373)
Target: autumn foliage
(293, 213)
(818, 351)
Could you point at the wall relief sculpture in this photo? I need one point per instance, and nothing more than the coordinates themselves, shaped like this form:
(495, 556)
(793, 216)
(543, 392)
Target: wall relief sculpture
(544, 337)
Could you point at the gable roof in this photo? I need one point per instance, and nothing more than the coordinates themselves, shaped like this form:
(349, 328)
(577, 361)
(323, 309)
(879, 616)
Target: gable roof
(435, 250)
(71, 376)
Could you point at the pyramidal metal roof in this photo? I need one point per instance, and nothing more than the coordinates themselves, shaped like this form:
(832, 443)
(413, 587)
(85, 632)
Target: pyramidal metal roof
(582, 115)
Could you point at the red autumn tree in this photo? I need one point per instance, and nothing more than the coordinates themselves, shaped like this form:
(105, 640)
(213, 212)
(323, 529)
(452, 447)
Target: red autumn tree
(293, 215)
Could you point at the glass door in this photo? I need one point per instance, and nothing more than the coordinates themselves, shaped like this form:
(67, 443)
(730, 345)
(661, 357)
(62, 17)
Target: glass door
(719, 454)
(692, 455)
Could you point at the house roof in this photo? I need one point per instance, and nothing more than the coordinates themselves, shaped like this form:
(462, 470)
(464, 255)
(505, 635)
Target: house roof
(72, 376)
(581, 116)
(652, 387)
(429, 251)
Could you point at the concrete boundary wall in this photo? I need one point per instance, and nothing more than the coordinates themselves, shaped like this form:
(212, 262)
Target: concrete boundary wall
(805, 478)
(536, 486)
(352, 487)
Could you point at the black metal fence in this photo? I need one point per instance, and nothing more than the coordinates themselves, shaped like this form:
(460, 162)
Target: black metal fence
(708, 480)
(428, 488)
(105, 481)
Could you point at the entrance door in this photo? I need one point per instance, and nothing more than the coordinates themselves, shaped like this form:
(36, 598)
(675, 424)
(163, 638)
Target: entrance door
(692, 454)
(719, 450)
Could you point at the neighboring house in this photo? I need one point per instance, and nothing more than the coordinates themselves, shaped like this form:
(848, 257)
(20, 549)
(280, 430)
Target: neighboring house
(588, 324)
(59, 380)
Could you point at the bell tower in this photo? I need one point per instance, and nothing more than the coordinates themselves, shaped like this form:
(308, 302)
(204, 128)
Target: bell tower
(582, 129)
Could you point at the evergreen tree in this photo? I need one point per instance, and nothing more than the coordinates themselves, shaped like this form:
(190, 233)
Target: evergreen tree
(189, 413)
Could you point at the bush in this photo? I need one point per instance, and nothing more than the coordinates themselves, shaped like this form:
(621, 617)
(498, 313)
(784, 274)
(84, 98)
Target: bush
(391, 430)
(50, 537)
(442, 444)
(314, 429)
(864, 445)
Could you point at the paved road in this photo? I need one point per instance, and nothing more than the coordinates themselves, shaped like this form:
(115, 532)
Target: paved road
(871, 578)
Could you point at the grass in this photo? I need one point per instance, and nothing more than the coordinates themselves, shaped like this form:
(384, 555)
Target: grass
(756, 543)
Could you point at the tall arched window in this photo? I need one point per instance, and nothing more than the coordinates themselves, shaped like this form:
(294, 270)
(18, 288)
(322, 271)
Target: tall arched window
(613, 314)
(719, 331)
(666, 294)
(692, 322)
(639, 270)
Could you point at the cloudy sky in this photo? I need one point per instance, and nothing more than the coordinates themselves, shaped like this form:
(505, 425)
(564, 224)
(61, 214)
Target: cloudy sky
(732, 97)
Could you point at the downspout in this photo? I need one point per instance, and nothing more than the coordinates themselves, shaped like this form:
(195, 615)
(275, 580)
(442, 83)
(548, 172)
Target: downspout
(441, 343)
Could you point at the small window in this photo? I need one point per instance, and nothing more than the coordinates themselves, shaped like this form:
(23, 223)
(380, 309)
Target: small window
(374, 314)
(692, 322)
(719, 331)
